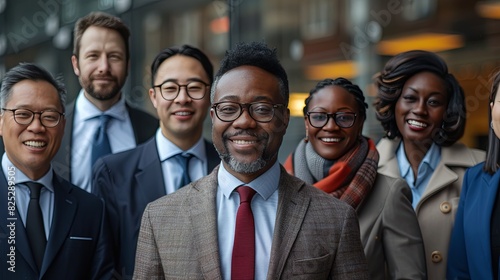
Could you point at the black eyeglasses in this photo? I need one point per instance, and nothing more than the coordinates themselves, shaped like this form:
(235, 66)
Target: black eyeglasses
(228, 111)
(342, 119)
(170, 90)
(48, 118)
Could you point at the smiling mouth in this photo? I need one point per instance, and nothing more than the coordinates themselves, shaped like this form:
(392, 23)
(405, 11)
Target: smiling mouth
(35, 144)
(183, 113)
(417, 124)
(244, 142)
(330, 140)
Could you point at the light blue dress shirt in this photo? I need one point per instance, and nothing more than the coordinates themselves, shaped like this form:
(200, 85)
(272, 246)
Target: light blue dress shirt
(23, 193)
(172, 170)
(85, 124)
(264, 208)
(425, 170)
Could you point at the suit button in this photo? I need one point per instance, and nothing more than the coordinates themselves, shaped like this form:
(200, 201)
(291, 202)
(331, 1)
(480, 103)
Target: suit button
(436, 257)
(445, 207)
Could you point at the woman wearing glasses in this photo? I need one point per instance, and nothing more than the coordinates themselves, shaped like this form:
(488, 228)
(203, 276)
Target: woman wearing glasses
(422, 109)
(336, 158)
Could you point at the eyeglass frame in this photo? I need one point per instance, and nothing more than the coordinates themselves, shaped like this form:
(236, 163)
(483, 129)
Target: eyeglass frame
(333, 116)
(247, 107)
(179, 89)
(33, 113)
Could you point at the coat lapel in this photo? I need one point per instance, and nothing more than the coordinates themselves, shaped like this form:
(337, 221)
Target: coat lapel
(64, 210)
(150, 171)
(202, 213)
(22, 244)
(292, 208)
(61, 163)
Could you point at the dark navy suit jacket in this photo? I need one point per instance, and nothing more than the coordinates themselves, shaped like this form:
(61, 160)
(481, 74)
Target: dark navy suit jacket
(470, 246)
(127, 182)
(78, 246)
(143, 124)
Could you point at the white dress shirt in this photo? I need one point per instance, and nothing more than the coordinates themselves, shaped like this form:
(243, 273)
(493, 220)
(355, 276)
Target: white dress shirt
(22, 197)
(264, 208)
(85, 124)
(172, 171)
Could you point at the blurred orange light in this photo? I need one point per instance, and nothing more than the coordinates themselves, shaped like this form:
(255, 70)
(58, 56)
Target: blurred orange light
(434, 42)
(343, 68)
(488, 10)
(297, 103)
(220, 25)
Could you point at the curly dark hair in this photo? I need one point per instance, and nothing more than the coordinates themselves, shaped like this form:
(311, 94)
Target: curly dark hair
(492, 161)
(390, 82)
(347, 85)
(255, 54)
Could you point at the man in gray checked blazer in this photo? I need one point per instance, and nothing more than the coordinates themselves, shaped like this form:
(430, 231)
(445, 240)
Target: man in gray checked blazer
(300, 232)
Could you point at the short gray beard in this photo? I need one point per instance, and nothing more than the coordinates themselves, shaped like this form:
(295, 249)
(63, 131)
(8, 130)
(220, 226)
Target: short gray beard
(240, 167)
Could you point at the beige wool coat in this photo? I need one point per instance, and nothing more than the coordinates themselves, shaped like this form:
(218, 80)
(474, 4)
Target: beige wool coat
(437, 208)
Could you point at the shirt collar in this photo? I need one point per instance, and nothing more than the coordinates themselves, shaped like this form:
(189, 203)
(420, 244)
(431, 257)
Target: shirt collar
(167, 149)
(431, 159)
(86, 110)
(19, 177)
(265, 185)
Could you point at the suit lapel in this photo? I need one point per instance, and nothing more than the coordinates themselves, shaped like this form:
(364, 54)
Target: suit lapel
(213, 158)
(61, 163)
(150, 171)
(202, 214)
(292, 208)
(64, 210)
(22, 244)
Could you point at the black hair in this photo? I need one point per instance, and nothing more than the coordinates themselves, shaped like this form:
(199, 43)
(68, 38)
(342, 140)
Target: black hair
(185, 50)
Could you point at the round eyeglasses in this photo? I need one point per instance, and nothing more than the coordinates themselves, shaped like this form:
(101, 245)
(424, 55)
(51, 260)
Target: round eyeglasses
(342, 119)
(48, 118)
(170, 90)
(228, 111)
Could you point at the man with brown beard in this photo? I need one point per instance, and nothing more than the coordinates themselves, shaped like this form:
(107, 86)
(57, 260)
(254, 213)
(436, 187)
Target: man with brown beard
(100, 59)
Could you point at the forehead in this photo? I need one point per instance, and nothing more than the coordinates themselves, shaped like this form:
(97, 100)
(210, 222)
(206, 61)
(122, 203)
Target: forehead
(427, 81)
(99, 38)
(180, 67)
(34, 93)
(246, 84)
(333, 98)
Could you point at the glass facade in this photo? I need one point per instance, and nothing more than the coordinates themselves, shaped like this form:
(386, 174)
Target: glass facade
(315, 39)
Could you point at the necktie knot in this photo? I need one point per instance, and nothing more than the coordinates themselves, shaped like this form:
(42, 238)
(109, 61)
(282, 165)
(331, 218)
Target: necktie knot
(35, 189)
(246, 194)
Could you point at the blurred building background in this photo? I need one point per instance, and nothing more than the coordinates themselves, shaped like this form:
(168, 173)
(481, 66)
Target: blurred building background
(315, 39)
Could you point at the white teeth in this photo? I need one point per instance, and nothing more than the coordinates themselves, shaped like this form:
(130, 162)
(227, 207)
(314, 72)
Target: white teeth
(243, 142)
(183, 113)
(330, 140)
(415, 123)
(35, 144)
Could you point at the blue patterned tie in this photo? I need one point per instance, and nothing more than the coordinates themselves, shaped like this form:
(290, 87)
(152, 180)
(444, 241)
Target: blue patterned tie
(101, 146)
(184, 162)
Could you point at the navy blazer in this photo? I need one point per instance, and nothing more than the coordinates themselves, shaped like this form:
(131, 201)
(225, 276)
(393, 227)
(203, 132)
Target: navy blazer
(143, 124)
(127, 182)
(470, 247)
(78, 245)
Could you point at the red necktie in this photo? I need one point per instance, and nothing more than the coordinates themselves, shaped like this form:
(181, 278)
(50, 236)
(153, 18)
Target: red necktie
(243, 262)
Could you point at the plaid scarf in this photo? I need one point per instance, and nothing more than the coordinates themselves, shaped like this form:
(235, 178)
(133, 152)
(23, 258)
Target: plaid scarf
(350, 178)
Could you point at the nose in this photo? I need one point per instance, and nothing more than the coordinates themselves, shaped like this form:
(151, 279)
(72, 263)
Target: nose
(245, 120)
(420, 108)
(103, 65)
(331, 124)
(36, 125)
(182, 96)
